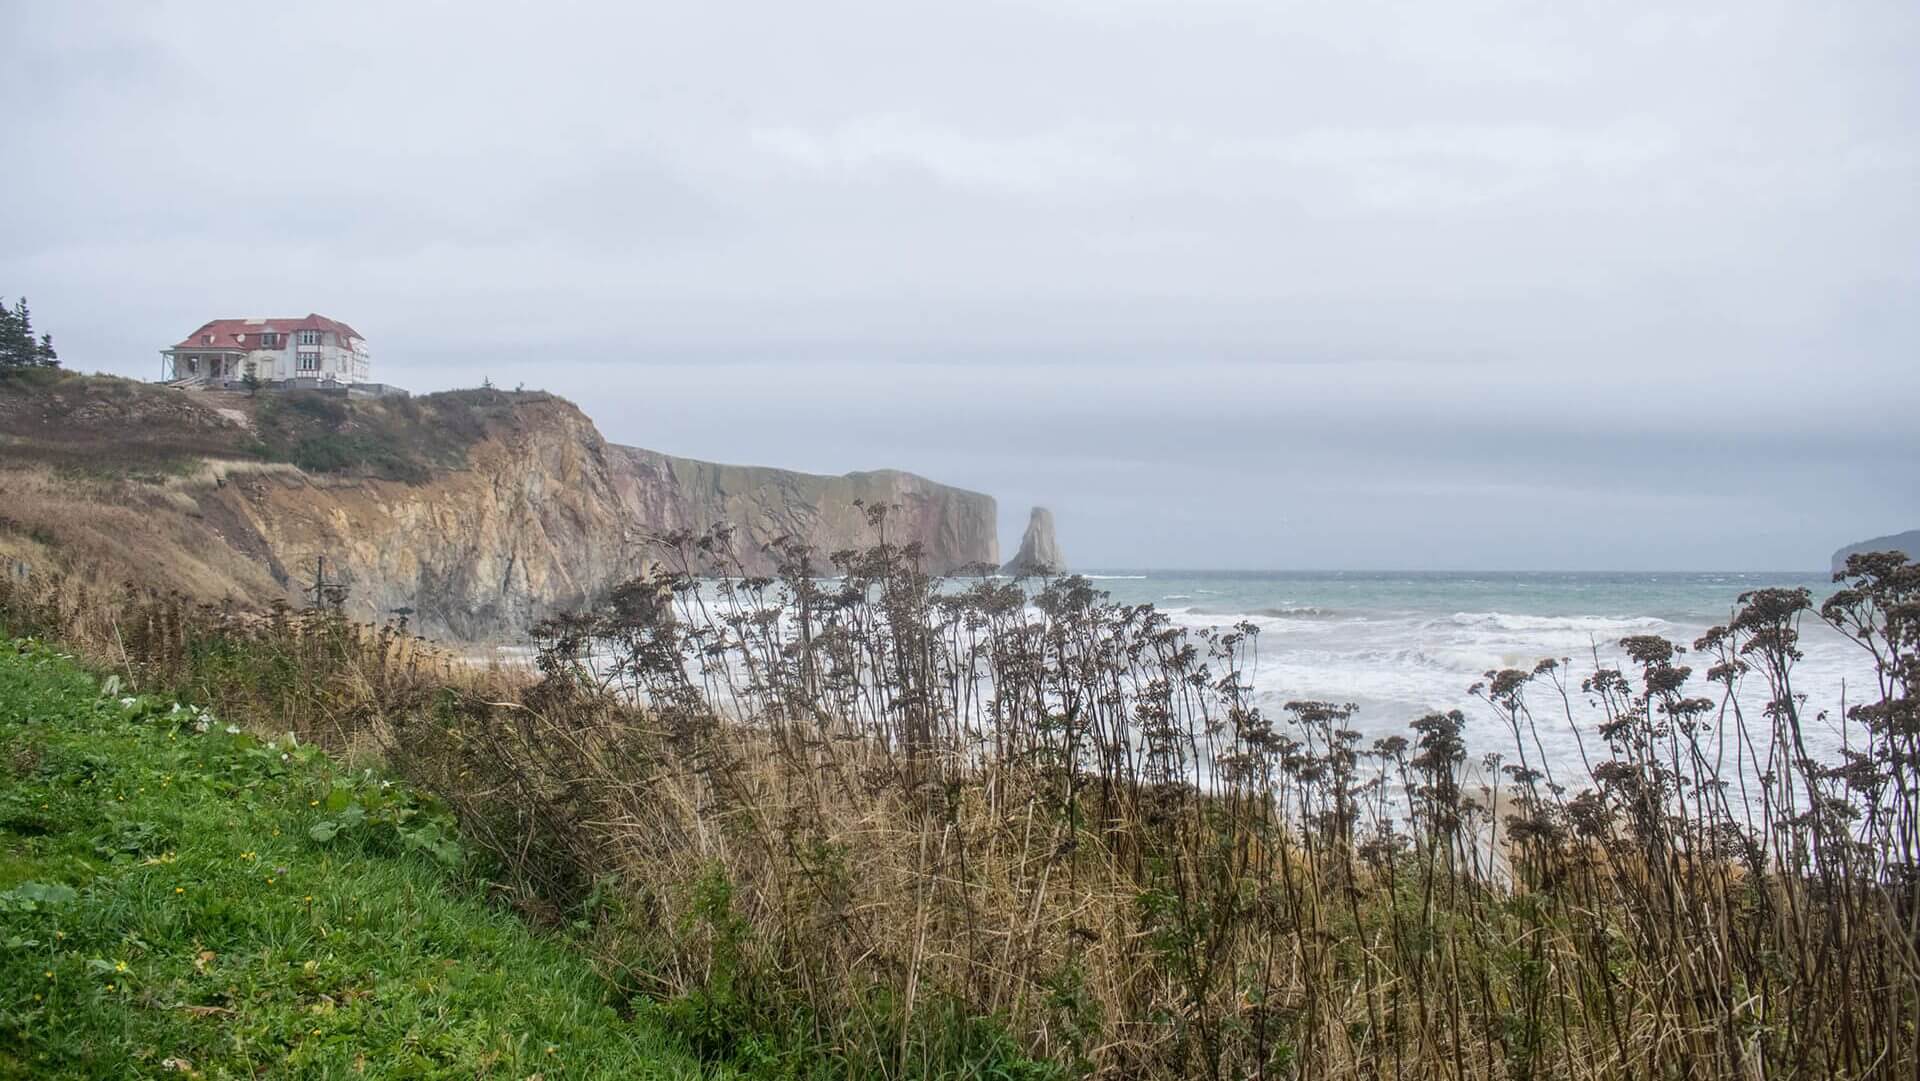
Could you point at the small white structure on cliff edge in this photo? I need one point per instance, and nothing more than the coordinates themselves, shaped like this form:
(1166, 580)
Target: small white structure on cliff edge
(302, 351)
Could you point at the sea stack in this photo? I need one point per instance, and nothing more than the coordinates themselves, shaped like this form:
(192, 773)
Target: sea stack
(1039, 553)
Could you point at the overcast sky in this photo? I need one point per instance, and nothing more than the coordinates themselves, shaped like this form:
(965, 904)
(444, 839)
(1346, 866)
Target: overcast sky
(1227, 283)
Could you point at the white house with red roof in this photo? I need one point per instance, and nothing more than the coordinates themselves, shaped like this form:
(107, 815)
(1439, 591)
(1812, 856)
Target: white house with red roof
(309, 350)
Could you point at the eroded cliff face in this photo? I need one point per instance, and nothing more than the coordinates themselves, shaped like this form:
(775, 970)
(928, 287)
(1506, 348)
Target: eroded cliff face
(531, 526)
(543, 515)
(955, 528)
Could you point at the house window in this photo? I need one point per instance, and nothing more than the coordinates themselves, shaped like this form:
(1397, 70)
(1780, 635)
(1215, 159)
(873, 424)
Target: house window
(269, 341)
(206, 339)
(309, 337)
(310, 362)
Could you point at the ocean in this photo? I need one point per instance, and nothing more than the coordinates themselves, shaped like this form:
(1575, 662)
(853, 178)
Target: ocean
(1400, 645)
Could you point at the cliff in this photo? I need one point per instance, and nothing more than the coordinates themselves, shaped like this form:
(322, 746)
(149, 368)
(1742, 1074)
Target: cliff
(955, 528)
(1908, 542)
(479, 512)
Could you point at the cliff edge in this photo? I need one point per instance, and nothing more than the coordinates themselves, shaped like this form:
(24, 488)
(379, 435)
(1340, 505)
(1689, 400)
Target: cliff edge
(475, 513)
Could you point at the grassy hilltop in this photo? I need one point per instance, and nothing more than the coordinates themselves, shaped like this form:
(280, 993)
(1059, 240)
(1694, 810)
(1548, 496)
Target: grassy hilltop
(109, 427)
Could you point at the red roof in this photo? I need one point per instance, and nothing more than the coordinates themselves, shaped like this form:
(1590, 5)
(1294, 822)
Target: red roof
(245, 333)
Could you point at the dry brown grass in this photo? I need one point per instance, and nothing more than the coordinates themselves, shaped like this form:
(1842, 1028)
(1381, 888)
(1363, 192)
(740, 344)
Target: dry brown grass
(817, 836)
(97, 534)
(107, 426)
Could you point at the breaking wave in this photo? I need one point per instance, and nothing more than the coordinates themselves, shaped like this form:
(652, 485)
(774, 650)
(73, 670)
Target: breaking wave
(1600, 625)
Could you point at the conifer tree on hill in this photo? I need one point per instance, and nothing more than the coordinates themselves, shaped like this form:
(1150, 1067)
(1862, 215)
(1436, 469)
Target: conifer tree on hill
(18, 347)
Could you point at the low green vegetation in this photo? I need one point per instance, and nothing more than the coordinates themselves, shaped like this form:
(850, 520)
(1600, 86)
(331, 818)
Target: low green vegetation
(403, 439)
(179, 897)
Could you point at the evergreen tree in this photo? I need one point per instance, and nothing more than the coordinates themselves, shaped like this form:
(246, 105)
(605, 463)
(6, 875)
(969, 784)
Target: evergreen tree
(18, 347)
(9, 334)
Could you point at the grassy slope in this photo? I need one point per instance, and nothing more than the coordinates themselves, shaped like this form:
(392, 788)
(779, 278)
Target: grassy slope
(187, 922)
(108, 427)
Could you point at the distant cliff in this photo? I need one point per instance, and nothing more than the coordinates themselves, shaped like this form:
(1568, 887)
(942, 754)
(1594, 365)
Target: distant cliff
(1908, 542)
(955, 528)
(478, 512)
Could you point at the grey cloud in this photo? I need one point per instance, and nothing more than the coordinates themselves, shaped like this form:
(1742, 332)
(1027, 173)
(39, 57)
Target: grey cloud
(1243, 282)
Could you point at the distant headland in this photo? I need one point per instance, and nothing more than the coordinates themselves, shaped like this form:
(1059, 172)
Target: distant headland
(1908, 542)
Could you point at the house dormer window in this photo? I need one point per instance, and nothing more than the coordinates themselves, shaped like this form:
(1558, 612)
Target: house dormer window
(269, 341)
(206, 339)
(309, 337)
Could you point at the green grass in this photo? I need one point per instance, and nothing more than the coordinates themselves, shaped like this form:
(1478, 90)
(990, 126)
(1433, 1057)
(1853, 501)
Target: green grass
(181, 899)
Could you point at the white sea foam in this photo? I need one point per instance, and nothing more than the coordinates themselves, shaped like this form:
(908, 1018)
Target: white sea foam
(1595, 624)
(1397, 666)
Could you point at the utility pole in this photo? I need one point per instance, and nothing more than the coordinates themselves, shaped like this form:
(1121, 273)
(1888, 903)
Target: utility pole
(326, 594)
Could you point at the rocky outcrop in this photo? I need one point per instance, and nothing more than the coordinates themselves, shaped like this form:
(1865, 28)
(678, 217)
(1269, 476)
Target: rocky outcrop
(537, 514)
(1908, 542)
(534, 524)
(1039, 552)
